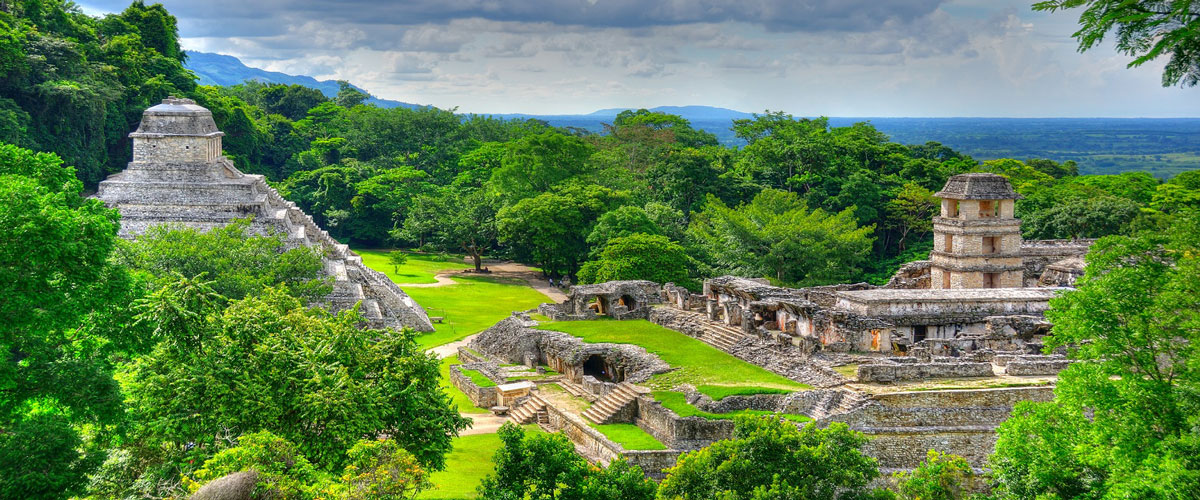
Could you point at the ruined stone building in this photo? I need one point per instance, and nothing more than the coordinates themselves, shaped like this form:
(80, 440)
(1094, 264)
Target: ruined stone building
(179, 176)
(976, 240)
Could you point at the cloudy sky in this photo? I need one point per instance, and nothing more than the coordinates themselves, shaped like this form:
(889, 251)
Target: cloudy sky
(806, 57)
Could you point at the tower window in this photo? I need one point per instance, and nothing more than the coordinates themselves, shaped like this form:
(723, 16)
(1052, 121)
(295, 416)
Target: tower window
(991, 244)
(951, 208)
(946, 280)
(987, 208)
(949, 243)
(991, 280)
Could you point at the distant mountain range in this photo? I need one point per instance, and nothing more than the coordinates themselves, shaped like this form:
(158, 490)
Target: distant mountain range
(218, 69)
(1162, 146)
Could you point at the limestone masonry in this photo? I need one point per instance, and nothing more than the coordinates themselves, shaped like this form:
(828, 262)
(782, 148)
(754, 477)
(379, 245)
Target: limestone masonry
(178, 176)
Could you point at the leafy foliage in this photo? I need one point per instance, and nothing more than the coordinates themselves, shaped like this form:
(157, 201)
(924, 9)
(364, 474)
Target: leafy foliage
(267, 363)
(777, 236)
(641, 257)
(238, 263)
(1133, 325)
(60, 317)
(1145, 29)
(770, 458)
(939, 477)
(545, 466)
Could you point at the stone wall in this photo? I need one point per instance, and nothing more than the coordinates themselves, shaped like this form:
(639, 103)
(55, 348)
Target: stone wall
(482, 397)
(1036, 367)
(689, 433)
(904, 425)
(1037, 254)
(653, 462)
(904, 449)
(896, 372)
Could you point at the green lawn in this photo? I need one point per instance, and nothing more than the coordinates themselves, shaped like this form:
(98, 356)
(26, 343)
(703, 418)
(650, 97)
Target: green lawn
(466, 466)
(468, 307)
(677, 402)
(696, 362)
(719, 392)
(420, 268)
(456, 396)
(471, 306)
(630, 436)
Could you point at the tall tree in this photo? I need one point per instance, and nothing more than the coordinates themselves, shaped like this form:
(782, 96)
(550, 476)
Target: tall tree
(59, 294)
(1125, 422)
(1145, 30)
(778, 237)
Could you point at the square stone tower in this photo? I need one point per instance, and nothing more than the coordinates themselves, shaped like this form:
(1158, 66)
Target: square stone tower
(976, 239)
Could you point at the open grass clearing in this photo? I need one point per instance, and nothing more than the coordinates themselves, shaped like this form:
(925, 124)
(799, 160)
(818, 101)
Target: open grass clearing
(629, 436)
(457, 397)
(467, 464)
(420, 268)
(677, 402)
(695, 362)
(471, 306)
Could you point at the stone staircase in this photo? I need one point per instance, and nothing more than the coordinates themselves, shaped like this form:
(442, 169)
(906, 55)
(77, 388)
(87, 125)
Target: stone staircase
(605, 408)
(721, 336)
(837, 402)
(532, 409)
(575, 389)
(716, 334)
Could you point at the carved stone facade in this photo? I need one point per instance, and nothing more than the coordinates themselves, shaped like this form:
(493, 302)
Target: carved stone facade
(178, 176)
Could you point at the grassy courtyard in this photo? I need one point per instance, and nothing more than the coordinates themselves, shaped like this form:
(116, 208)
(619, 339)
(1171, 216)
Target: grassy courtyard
(466, 465)
(695, 362)
(469, 306)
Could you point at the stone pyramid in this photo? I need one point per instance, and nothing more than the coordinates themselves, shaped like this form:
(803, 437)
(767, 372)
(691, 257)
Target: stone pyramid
(179, 176)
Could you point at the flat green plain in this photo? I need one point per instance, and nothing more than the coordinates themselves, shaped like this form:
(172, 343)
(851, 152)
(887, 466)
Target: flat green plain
(420, 268)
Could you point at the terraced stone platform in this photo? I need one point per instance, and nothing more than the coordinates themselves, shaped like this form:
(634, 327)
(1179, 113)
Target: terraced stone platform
(178, 176)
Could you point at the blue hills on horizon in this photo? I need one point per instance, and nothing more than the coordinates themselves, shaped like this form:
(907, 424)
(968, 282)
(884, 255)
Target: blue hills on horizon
(1162, 146)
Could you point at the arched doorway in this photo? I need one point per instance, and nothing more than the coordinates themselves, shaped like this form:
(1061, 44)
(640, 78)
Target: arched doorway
(629, 302)
(598, 367)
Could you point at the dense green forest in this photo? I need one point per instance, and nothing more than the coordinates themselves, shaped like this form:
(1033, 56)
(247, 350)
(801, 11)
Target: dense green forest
(803, 202)
(143, 369)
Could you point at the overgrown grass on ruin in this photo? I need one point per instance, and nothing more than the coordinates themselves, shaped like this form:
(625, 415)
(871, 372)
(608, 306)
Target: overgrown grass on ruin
(696, 363)
(719, 392)
(420, 268)
(629, 436)
(677, 402)
(466, 465)
(457, 397)
(477, 378)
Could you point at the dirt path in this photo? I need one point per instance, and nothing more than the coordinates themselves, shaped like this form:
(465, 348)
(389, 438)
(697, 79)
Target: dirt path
(511, 270)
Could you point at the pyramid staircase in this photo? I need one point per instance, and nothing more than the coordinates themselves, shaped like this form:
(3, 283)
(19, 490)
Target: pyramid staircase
(605, 408)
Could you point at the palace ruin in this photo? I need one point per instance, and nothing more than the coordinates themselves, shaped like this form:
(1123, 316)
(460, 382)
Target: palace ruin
(969, 321)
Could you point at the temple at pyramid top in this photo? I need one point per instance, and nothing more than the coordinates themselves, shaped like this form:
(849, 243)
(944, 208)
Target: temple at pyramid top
(179, 176)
